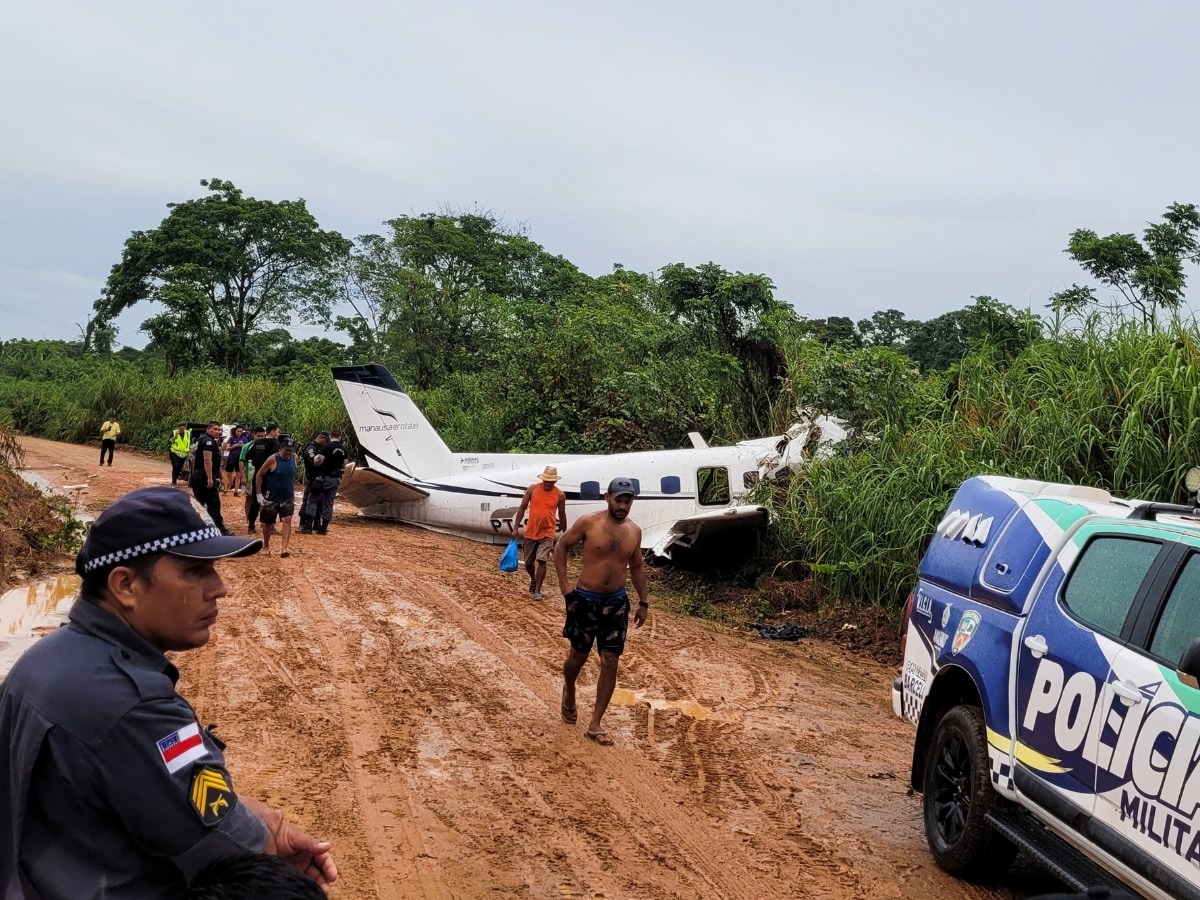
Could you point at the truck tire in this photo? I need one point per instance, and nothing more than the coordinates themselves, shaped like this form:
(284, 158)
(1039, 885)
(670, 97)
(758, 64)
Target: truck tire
(958, 794)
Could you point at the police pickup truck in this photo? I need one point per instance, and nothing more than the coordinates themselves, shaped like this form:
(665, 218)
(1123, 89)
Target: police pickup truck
(1051, 658)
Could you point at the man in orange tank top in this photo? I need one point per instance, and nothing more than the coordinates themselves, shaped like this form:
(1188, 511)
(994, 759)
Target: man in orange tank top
(547, 507)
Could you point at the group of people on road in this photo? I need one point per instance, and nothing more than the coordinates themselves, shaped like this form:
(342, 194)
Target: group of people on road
(261, 464)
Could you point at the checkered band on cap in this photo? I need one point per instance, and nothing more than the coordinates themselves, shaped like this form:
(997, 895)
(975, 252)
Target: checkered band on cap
(176, 540)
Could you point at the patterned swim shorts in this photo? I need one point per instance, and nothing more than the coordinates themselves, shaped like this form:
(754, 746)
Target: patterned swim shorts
(272, 510)
(601, 619)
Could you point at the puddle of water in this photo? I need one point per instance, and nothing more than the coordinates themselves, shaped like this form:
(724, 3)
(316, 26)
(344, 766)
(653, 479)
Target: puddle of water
(70, 492)
(36, 480)
(690, 708)
(26, 613)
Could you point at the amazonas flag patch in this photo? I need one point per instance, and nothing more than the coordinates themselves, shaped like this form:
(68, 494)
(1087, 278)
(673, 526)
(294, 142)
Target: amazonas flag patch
(182, 747)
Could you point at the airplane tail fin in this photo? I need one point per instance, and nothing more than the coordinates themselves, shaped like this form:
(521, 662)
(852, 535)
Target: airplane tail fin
(393, 434)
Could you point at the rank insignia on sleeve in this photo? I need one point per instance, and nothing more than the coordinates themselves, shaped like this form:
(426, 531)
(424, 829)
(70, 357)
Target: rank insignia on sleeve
(212, 796)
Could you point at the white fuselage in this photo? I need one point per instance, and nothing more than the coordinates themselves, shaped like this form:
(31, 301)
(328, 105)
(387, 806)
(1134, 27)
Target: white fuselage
(411, 474)
(480, 500)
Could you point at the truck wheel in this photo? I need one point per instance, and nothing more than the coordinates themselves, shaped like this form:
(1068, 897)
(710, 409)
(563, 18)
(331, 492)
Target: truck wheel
(958, 794)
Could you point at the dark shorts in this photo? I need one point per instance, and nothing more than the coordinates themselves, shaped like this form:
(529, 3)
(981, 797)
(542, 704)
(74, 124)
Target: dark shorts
(272, 511)
(596, 618)
(539, 551)
(233, 463)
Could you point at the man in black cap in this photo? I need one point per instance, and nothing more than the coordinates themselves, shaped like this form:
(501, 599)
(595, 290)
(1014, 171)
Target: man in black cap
(598, 605)
(112, 787)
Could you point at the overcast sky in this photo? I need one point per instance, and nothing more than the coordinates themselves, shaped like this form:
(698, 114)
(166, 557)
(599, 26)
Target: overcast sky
(863, 155)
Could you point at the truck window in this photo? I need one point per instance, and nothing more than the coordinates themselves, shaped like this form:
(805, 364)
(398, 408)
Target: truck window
(1180, 619)
(1106, 580)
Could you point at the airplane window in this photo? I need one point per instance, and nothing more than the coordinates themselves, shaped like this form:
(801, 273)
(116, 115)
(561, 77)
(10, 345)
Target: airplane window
(712, 486)
(590, 490)
(749, 479)
(669, 484)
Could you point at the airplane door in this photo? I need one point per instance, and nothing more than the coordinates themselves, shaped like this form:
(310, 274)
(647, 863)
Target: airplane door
(1064, 663)
(712, 486)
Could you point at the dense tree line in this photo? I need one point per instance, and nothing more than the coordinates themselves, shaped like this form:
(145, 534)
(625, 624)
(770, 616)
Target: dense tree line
(462, 308)
(507, 346)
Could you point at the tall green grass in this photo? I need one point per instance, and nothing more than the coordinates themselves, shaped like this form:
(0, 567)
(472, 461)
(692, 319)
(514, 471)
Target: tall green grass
(1118, 410)
(149, 404)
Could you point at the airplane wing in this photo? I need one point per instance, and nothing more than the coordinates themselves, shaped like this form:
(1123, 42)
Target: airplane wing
(374, 493)
(685, 532)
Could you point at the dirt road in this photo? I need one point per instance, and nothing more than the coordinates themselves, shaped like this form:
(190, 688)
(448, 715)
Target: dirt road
(399, 695)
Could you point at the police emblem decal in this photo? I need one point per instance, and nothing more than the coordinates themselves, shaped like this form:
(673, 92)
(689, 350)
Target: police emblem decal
(967, 626)
(212, 797)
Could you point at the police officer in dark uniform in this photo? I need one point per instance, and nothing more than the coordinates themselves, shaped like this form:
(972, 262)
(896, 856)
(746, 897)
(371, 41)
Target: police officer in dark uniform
(205, 480)
(329, 478)
(262, 448)
(111, 787)
(312, 469)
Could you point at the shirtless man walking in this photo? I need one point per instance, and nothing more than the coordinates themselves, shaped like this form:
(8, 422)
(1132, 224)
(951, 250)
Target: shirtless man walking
(597, 605)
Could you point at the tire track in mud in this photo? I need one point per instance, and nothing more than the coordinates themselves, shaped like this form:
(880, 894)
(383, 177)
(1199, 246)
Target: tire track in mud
(401, 865)
(700, 858)
(517, 667)
(771, 827)
(708, 757)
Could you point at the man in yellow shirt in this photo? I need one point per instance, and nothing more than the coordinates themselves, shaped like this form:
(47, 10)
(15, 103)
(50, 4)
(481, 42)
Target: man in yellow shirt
(108, 438)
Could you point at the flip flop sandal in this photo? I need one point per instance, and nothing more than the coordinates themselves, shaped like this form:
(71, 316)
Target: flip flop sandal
(600, 737)
(570, 714)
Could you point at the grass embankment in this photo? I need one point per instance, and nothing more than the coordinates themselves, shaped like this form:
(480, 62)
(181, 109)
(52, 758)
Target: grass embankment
(36, 533)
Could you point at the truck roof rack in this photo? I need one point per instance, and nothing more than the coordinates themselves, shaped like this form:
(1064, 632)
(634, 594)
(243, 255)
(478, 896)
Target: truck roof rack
(1151, 511)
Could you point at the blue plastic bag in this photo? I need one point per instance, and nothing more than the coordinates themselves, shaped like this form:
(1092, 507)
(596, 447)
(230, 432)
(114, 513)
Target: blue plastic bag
(509, 561)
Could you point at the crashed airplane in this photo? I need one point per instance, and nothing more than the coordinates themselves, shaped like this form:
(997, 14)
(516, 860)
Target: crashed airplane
(410, 475)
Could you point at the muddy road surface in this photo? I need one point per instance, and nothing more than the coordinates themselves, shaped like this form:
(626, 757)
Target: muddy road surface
(395, 693)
